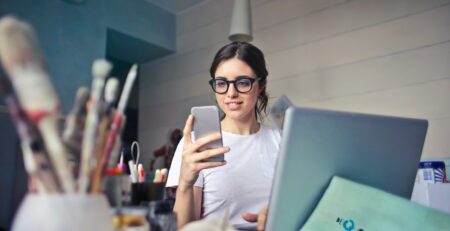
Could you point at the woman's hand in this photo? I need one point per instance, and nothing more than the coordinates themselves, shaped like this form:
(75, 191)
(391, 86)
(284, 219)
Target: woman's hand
(260, 218)
(191, 163)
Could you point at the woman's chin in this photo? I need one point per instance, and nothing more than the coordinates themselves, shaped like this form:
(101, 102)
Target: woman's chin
(236, 115)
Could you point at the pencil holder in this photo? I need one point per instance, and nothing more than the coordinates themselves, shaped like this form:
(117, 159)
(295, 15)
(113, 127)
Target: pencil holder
(145, 192)
(63, 212)
(117, 189)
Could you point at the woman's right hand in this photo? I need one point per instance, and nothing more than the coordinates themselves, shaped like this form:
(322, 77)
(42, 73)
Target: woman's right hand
(192, 158)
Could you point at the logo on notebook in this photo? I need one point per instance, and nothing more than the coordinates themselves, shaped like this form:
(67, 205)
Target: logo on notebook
(348, 224)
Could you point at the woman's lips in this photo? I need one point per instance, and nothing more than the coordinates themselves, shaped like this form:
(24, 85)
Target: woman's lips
(234, 105)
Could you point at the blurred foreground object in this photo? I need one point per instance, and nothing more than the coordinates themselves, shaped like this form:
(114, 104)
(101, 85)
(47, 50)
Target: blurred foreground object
(24, 65)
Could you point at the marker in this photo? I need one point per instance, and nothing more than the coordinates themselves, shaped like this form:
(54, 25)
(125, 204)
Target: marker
(164, 175)
(156, 177)
(121, 166)
(141, 173)
(133, 175)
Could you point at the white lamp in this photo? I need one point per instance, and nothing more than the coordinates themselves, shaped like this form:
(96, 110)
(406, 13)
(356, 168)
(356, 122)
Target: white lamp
(241, 22)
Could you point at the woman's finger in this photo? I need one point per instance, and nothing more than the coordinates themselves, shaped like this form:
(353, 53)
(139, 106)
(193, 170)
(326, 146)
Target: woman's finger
(206, 140)
(210, 153)
(262, 219)
(250, 217)
(205, 165)
(187, 130)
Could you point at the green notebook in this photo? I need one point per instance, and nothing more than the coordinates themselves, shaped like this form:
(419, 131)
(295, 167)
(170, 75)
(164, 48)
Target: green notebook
(351, 206)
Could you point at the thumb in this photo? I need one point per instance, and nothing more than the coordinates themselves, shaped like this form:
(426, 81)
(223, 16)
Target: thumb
(250, 217)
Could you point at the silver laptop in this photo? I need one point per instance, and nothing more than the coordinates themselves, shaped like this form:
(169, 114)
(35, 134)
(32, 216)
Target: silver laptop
(379, 151)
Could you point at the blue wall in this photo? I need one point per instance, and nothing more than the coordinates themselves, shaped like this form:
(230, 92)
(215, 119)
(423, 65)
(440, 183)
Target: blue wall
(72, 36)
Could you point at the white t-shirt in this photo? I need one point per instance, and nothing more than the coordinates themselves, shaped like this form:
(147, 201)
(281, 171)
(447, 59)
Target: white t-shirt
(244, 183)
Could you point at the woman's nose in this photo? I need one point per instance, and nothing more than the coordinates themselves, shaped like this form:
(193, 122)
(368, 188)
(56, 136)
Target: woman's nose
(232, 91)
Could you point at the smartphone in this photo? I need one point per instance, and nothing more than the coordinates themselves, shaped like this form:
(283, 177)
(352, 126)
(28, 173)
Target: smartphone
(207, 122)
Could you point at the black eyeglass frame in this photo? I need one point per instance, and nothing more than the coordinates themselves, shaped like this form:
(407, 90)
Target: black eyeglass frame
(252, 80)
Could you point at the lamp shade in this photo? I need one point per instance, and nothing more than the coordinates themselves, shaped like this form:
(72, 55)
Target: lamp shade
(241, 22)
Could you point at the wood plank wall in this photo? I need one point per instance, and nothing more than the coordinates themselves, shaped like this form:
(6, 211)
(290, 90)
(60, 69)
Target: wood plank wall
(387, 57)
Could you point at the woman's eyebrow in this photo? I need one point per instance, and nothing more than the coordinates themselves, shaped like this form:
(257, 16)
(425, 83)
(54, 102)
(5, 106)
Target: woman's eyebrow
(220, 77)
(239, 76)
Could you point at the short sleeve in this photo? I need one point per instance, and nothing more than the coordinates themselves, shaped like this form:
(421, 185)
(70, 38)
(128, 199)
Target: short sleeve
(175, 167)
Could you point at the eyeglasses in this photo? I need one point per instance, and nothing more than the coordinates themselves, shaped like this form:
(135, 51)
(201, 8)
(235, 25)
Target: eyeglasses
(242, 84)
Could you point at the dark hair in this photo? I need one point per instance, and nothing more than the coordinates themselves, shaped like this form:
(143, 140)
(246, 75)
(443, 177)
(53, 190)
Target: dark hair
(253, 57)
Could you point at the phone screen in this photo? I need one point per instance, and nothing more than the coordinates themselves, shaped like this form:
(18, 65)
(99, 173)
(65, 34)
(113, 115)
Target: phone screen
(207, 122)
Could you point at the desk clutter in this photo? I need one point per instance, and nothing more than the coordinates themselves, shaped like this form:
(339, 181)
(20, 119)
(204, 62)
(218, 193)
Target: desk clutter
(74, 169)
(74, 160)
(432, 186)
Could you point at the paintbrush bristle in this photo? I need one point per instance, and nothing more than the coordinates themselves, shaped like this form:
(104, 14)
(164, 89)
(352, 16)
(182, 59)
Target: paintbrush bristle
(111, 90)
(101, 68)
(80, 99)
(17, 42)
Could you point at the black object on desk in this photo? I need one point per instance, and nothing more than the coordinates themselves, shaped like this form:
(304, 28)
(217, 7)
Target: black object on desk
(146, 192)
(161, 217)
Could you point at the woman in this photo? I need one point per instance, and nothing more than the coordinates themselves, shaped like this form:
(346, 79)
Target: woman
(240, 186)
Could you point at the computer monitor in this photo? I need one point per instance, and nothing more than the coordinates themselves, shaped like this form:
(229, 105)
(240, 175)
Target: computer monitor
(379, 151)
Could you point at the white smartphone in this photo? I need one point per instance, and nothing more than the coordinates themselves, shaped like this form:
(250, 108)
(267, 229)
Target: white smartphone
(207, 122)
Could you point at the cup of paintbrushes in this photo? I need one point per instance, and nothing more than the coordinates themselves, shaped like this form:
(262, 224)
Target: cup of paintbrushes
(54, 212)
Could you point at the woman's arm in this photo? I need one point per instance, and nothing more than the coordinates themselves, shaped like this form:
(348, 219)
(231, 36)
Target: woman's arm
(188, 204)
(188, 200)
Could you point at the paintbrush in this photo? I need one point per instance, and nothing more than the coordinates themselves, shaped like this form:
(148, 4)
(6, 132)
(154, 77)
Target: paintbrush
(119, 115)
(116, 126)
(111, 90)
(35, 161)
(24, 64)
(100, 70)
(111, 93)
(74, 124)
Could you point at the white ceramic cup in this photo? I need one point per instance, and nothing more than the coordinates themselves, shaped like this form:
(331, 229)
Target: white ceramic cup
(63, 212)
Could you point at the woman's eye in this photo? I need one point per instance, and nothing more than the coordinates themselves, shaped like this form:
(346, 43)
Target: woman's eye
(244, 83)
(221, 84)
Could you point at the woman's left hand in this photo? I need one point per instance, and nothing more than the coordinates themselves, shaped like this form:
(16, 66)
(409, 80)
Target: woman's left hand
(260, 218)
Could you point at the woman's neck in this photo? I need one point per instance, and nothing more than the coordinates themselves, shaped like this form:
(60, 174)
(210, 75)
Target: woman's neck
(240, 127)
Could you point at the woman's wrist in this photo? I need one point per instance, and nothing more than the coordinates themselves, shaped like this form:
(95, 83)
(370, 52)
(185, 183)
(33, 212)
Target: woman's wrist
(185, 187)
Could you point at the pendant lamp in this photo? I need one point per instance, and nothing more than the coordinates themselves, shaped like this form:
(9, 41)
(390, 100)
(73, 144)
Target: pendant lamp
(241, 22)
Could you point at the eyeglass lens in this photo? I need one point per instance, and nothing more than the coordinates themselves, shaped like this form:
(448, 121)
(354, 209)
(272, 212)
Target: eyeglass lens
(241, 85)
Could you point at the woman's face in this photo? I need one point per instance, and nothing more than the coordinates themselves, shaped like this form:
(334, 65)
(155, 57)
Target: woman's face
(236, 105)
